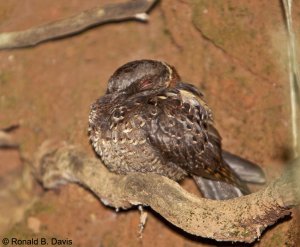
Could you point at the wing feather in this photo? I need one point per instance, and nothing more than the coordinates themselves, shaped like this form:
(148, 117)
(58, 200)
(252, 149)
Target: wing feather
(182, 131)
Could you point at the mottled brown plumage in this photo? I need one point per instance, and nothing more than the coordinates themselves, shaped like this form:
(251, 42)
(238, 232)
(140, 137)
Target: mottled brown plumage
(150, 121)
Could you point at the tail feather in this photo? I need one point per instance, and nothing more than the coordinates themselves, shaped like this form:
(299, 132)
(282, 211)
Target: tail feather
(246, 170)
(235, 172)
(217, 190)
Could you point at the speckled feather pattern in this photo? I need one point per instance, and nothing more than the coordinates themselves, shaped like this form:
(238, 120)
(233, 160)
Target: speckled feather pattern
(167, 129)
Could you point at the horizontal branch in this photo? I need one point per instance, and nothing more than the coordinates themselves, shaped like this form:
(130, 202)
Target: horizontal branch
(134, 10)
(241, 219)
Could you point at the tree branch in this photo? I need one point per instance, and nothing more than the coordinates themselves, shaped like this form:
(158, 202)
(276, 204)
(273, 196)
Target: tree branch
(132, 10)
(241, 219)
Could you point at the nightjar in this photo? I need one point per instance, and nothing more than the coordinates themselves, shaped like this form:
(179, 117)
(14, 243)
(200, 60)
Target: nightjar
(151, 121)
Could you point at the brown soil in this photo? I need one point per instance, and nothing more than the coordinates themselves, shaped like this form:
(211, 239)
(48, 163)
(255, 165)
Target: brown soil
(235, 51)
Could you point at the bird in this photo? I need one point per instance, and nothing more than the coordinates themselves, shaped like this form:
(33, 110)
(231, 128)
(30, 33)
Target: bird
(150, 121)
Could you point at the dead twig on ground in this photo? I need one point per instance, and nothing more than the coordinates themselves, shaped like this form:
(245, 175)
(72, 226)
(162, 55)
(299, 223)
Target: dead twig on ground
(241, 219)
(132, 10)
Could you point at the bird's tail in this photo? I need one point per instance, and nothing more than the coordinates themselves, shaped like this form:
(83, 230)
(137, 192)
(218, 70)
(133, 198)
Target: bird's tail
(217, 190)
(245, 169)
(241, 171)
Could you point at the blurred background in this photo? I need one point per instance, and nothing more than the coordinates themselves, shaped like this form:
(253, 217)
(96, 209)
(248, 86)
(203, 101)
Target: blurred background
(234, 51)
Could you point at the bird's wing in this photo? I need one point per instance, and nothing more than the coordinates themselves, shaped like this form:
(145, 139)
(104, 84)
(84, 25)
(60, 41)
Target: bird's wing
(180, 127)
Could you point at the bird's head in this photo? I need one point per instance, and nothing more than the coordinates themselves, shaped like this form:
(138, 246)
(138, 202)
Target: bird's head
(142, 75)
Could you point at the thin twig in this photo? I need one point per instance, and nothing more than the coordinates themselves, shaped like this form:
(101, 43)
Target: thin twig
(294, 77)
(132, 10)
(241, 219)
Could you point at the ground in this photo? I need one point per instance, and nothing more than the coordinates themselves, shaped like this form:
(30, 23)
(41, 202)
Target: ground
(234, 51)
